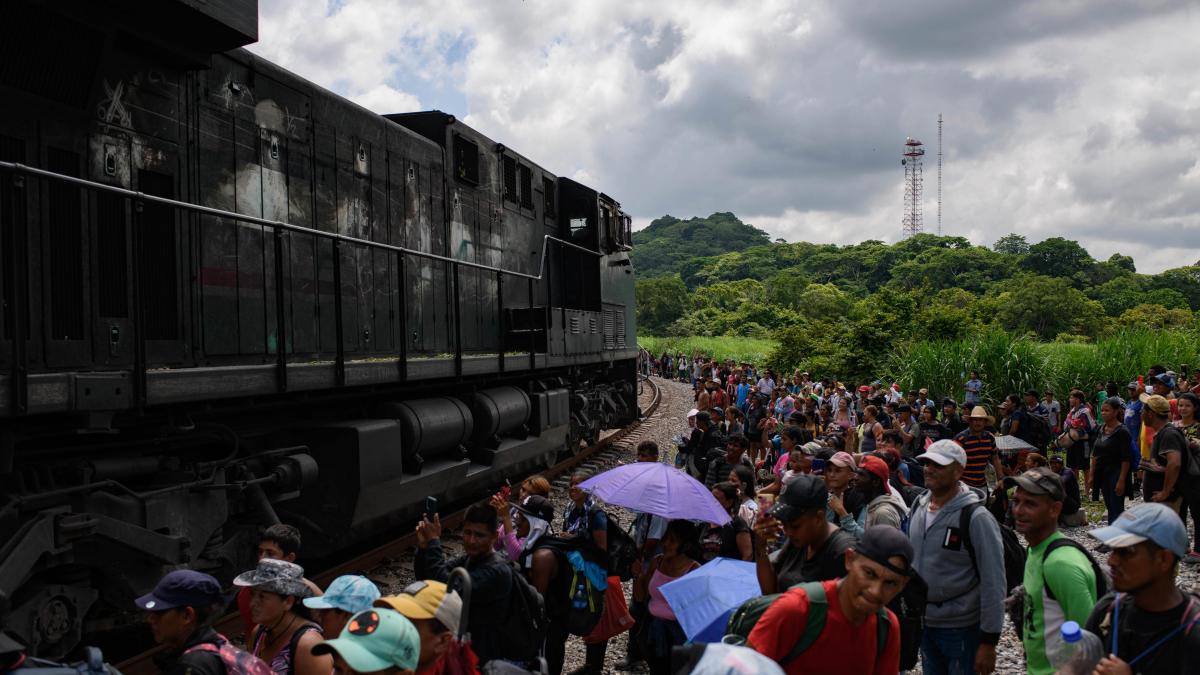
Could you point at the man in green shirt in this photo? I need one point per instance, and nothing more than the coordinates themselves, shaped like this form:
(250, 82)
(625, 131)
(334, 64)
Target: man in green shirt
(1060, 583)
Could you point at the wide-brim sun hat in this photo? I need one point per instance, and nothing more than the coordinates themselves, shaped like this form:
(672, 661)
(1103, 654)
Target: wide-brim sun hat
(979, 412)
(276, 576)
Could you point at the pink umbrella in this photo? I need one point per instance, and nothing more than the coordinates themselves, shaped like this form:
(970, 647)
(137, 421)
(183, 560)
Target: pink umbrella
(658, 489)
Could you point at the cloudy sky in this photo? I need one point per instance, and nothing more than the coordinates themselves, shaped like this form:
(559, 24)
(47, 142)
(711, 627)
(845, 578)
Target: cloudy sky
(1073, 118)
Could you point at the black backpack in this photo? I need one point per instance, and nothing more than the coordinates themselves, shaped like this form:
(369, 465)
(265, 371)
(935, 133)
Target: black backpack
(1014, 552)
(910, 494)
(916, 472)
(909, 608)
(1035, 430)
(622, 550)
(523, 631)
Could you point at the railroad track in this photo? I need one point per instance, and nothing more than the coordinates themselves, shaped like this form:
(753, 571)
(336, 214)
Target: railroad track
(231, 624)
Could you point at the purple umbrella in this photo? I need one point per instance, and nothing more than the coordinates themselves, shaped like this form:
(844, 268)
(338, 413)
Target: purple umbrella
(654, 487)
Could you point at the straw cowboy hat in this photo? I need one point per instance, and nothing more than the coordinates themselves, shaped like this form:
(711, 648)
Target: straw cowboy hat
(978, 412)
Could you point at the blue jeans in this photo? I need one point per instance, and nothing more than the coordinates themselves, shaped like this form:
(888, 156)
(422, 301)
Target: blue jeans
(1113, 503)
(949, 651)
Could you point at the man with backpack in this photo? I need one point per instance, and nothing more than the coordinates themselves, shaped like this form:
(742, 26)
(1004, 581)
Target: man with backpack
(1147, 624)
(180, 611)
(958, 547)
(885, 506)
(842, 625)
(703, 439)
(1072, 515)
(491, 619)
(1035, 428)
(1062, 580)
(1164, 472)
(814, 548)
(720, 464)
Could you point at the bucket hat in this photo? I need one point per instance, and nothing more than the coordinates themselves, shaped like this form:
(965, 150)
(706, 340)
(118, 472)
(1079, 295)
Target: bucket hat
(275, 576)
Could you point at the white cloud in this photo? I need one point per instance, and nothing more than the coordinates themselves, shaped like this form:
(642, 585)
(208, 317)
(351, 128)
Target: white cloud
(384, 100)
(1077, 119)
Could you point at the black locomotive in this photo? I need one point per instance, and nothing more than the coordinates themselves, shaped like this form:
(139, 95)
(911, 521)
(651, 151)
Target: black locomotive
(231, 298)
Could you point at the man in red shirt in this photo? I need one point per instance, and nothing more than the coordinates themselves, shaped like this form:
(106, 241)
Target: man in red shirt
(877, 569)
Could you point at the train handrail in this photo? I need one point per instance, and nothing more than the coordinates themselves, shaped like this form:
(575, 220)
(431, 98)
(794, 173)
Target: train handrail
(19, 377)
(221, 213)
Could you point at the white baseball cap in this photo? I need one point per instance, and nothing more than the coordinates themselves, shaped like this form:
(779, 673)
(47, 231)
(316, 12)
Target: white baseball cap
(945, 452)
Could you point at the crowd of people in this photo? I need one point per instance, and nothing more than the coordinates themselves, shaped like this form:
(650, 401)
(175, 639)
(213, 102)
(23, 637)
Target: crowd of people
(881, 526)
(831, 463)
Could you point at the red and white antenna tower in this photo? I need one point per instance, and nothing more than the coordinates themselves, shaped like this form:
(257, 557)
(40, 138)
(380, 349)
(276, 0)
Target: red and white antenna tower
(914, 151)
(939, 174)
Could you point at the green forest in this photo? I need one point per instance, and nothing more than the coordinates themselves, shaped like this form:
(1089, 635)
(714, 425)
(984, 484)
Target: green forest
(861, 309)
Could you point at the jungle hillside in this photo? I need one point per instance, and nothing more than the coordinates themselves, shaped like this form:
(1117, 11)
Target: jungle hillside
(873, 308)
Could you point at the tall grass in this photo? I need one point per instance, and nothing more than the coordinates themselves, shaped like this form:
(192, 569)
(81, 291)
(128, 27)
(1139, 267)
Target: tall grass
(752, 350)
(1012, 364)
(1120, 357)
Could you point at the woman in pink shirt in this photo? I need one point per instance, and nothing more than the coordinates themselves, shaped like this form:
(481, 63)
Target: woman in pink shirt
(677, 559)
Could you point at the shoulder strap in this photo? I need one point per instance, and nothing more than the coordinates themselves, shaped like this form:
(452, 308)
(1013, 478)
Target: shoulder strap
(814, 623)
(964, 529)
(203, 647)
(294, 643)
(1067, 542)
(883, 625)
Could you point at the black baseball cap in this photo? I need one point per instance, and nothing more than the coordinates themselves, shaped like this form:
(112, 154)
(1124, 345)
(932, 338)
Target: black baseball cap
(181, 588)
(1038, 481)
(881, 542)
(804, 493)
(538, 507)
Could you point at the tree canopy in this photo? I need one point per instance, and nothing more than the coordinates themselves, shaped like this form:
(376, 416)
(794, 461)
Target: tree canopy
(847, 307)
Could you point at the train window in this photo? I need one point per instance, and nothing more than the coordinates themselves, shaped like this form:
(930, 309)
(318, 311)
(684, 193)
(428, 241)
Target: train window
(548, 197)
(526, 187)
(606, 224)
(466, 160)
(579, 227)
(510, 180)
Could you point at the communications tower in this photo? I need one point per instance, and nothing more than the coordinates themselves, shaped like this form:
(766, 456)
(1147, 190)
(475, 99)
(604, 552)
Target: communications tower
(939, 174)
(914, 151)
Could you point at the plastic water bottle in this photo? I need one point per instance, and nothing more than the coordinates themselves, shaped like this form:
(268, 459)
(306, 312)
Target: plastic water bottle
(580, 599)
(1077, 653)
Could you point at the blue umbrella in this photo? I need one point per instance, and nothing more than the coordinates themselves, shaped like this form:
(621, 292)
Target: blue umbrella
(658, 489)
(704, 598)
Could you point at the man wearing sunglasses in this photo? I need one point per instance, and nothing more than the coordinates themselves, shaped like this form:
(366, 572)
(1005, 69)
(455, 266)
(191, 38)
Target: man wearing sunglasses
(1146, 624)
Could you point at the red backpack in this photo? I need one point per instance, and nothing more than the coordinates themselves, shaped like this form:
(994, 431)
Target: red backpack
(237, 661)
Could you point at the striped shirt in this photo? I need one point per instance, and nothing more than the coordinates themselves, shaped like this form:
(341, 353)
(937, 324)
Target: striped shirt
(980, 450)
